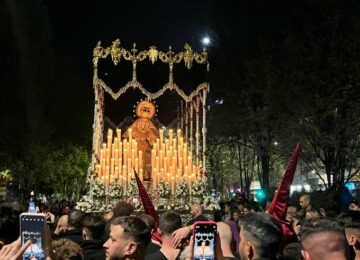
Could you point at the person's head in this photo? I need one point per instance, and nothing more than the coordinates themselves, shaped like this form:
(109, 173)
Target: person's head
(305, 201)
(248, 208)
(93, 226)
(235, 215)
(122, 209)
(195, 210)
(129, 237)
(65, 209)
(292, 251)
(323, 238)
(75, 217)
(260, 236)
(62, 224)
(240, 207)
(9, 222)
(44, 208)
(217, 215)
(312, 214)
(290, 213)
(108, 215)
(169, 222)
(65, 249)
(227, 208)
(148, 220)
(351, 224)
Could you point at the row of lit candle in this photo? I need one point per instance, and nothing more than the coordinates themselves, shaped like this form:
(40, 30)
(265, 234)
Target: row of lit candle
(118, 159)
(171, 161)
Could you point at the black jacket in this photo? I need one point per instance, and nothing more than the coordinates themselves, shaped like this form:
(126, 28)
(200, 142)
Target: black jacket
(93, 249)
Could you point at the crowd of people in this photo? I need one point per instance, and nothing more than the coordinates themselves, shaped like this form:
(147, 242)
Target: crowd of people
(243, 232)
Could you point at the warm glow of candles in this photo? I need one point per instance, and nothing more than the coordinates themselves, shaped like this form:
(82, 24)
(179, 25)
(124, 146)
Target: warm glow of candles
(141, 160)
(171, 134)
(154, 174)
(129, 167)
(171, 160)
(118, 133)
(157, 162)
(161, 134)
(161, 158)
(107, 156)
(120, 150)
(157, 146)
(124, 178)
(165, 164)
(116, 143)
(130, 135)
(125, 156)
(172, 185)
(141, 174)
(97, 170)
(116, 172)
(116, 157)
(120, 166)
(137, 165)
(112, 165)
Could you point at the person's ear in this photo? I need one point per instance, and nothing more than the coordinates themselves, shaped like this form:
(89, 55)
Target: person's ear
(131, 248)
(249, 249)
(352, 240)
(305, 255)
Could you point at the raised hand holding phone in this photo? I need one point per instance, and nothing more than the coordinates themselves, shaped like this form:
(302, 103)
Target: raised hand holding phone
(204, 240)
(32, 227)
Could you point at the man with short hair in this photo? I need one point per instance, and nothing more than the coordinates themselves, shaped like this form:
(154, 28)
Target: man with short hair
(305, 204)
(129, 238)
(195, 212)
(61, 227)
(74, 228)
(154, 245)
(169, 222)
(260, 236)
(323, 239)
(93, 233)
(121, 209)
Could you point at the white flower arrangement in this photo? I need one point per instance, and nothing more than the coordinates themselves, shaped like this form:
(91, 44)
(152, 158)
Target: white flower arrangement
(115, 190)
(132, 188)
(105, 207)
(164, 189)
(182, 189)
(84, 204)
(211, 203)
(98, 188)
(198, 190)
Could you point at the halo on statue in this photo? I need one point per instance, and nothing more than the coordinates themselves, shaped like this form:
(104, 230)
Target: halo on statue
(145, 109)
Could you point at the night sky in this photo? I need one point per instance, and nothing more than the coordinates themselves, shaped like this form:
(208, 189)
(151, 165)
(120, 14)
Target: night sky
(77, 26)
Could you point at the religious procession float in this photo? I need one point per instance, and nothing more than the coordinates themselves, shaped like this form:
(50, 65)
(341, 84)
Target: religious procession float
(169, 161)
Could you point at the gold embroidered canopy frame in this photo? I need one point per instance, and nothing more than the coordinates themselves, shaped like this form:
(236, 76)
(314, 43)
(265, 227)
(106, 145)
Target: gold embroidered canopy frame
(194, 103)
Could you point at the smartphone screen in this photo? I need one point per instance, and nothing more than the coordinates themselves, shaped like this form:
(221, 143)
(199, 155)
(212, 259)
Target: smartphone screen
(33, 228)
(204, 240)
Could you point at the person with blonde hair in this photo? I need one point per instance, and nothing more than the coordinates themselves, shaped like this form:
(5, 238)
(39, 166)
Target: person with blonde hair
(65, 249)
